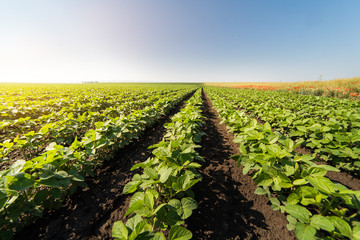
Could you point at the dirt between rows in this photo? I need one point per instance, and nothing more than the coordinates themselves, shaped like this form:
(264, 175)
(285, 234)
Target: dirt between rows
(228, 207)
(91, 212)
(345, 179)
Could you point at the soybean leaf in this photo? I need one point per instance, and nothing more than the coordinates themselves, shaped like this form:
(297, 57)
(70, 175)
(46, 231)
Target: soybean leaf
(133, 221)
(304, 231)
(292, 221)
(40, 196)
(301, 128)
(293, 198)
(321, 222)
(274, 150)
(356, 232)
(289, 144)
(328, 168)
(260, 191)
(120, 231)
(316, 172)
(179, 233)
(300, 182)
(20, 181)
(341, 225)
(298, 212)
(131, 187)
(149, 200)
(136, 206)
(322, 184)
(194, 165)
(159, 236)
(140, 227)
(164, 173)
(172, 217)
(187, 205)
(267, 127)
(151, 173)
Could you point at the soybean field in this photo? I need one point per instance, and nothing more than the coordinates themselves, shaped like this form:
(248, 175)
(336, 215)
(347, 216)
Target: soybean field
(177, 161)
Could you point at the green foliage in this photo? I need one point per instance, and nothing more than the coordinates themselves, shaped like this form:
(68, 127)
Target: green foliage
(162, 198)
(329, 127)
(43, 180)
(316, 207)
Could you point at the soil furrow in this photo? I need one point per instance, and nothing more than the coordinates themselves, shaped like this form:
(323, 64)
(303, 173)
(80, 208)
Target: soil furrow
(91, 212)
(345, 179)
(228, 207)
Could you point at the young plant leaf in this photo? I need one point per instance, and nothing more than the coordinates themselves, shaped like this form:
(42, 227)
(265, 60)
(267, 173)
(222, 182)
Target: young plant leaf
(341, 225)
(164, 173)
(322, 184)
(260, 191)
(298, 212)
(151, 173)
(149, 200)
(304, 231)
(187, 205)
(131, 187)
(120, 231)
(136, 206)
(179, 233)
(321, 222)
(159, 236)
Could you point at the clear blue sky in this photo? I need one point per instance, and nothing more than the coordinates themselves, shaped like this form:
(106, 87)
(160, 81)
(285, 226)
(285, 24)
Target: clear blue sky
(184, 40)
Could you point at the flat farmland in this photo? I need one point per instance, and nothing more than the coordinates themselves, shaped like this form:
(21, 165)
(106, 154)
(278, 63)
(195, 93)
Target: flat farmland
(177, 161)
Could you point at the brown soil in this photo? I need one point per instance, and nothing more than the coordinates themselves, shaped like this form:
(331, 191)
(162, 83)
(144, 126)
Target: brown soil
(302, 150)
(228, 207)
(345, 179)
(92, 211)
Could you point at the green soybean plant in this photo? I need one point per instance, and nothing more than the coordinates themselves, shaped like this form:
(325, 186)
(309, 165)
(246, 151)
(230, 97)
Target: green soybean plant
(162, 198)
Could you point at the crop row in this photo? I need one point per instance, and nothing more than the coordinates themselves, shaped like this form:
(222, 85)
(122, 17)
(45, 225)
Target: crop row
(28, 187)
(329, 130)
(36, 102)
(315, 206)
(100, 102)
(162, 197)
(68, 127)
